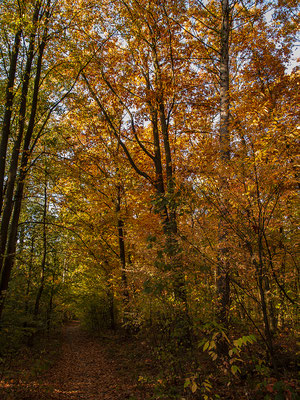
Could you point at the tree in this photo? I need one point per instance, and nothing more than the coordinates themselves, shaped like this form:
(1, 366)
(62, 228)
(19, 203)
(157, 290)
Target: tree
(149, 64)
(35, 23)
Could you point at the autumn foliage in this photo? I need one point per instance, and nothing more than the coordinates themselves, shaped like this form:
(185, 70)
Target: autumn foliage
(149, 177)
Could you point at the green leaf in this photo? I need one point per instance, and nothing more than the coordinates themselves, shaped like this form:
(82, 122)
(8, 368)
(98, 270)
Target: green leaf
(187, 383)
(235, 369)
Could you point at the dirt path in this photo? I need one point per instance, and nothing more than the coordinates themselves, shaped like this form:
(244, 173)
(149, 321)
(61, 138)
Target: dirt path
(85, 369)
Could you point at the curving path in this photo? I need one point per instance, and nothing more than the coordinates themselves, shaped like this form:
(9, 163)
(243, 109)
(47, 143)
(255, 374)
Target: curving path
(84, 370)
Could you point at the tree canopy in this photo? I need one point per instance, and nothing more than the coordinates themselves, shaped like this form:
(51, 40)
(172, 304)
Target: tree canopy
(149, 170)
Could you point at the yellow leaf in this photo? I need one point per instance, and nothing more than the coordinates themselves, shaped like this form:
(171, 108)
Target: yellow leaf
(194, 387)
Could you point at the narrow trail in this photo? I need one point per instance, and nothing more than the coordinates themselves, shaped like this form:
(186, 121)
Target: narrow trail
(84, 370)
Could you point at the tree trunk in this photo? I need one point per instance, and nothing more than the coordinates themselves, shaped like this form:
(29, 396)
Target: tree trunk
(50, 305)
(43, 264)
(12, 173)
(260, 271)
(169, 218)
(112, 309)
(9, 96)
(120, 225)
(30, 266)
(223, 279)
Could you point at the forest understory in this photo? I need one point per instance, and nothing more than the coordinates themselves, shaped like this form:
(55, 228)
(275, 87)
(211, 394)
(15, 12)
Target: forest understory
(74, 364)
(149, 188)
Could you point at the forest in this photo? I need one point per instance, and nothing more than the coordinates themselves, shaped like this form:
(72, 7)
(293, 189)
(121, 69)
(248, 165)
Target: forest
(148, 199)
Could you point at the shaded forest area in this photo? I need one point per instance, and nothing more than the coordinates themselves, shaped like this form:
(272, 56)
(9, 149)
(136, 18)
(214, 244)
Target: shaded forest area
(149, 189)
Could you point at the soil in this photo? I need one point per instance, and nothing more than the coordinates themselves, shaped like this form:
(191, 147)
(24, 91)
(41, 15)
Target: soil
(90, 368)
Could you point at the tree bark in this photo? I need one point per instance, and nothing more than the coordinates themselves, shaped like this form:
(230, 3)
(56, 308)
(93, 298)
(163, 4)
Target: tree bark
(50, 305)
(43, 263)
(122, 251)
(260, 271)
(9, 96)
(28, 283)
(223, 279)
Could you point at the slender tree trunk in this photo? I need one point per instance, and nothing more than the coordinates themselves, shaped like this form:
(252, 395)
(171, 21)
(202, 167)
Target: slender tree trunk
(170, 220)
(9, 96)
(260, 270)
(112, 309)
(12, 173)
(121, 236)
(30, 266)
(43, 264)
(50, 305)
(271, 306)
(260, 273)
(223, 280)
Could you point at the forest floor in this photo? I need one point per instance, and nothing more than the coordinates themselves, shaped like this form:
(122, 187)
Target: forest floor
(86, 367)
(74, 365)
